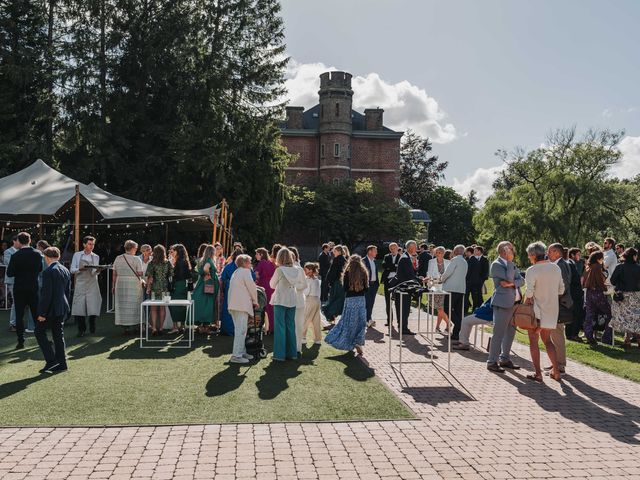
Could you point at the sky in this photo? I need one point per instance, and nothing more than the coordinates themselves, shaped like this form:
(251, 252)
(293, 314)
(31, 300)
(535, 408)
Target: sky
(477, 76)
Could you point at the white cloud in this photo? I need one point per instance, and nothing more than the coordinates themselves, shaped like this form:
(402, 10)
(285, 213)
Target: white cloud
(481, 181)
(629, 165)
(405, 105)
(607, 113)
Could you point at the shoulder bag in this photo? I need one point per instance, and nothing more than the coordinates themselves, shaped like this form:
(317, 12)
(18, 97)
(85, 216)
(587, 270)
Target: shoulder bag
(140, 279)
(524, 317)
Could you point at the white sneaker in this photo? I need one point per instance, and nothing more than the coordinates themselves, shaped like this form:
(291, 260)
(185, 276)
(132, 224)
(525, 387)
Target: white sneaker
(247, 356)
(28, 330)
(238, 360)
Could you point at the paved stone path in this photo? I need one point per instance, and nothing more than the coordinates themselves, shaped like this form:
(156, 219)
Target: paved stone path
(471, 424)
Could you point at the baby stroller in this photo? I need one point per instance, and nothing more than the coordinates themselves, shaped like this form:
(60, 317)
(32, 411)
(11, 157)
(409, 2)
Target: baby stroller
(255, 328)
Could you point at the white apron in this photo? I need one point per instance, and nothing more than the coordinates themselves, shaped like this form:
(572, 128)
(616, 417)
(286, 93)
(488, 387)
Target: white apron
(87, 300)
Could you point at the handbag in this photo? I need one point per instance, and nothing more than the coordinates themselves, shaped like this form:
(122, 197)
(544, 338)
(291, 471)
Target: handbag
(524, 317)
(618, 296)
(209, 288)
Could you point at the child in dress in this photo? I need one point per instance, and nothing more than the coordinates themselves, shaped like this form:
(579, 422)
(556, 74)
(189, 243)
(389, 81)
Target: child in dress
(312, 305)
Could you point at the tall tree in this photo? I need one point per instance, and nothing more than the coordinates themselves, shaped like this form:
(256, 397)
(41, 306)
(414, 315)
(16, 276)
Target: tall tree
(23, 79)
(420, 171)
(561, 192)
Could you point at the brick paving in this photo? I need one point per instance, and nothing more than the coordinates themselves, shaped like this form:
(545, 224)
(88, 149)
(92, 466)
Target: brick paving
(471, 424)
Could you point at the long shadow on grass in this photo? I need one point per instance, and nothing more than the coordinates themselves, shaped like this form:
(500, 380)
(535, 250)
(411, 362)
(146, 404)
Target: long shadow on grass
(579, 409)
(276, 376)
(11, 388)
(225, 381)
(353, 367)
(132, 351)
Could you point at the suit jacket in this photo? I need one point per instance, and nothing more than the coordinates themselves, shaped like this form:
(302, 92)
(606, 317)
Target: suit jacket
(325, 263)
(405, 270)
(368, 265)
(389, 265)
(565, 299)
(423, 263)
(505, 297)
(478, 271)
(335, 271)
(454, 278)
(55, 292)
(576, 287)
(24, 267)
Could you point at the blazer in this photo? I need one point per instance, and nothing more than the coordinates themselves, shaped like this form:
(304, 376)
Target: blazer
(335, 271)
(454, 278)
(502, 296)
(24, 267)
(423, 263)
(478, 271)
(389, 265)
(405, 270)
(55, 292)
(433, 271)
(565, 299)
(366, 261)
(243, 293)
(325, 263)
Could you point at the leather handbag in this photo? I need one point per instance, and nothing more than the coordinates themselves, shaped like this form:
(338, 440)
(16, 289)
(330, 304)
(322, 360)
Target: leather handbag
(524, 317)
(209, 288)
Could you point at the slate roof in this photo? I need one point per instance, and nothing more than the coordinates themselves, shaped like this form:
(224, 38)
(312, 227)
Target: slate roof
(311, 120)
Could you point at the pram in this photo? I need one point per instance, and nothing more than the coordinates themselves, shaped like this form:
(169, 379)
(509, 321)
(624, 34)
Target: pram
(255, 328)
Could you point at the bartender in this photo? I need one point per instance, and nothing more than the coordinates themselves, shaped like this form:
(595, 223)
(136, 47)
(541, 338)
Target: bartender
(87, 300)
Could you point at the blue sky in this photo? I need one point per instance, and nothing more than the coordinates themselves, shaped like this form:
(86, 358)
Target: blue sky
(476, 75)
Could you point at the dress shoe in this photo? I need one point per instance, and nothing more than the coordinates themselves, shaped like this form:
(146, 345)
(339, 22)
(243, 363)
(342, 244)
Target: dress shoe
(48, 367)
(509, 364)
(20, 346)
(460, 346)
(408, 332)
(58, 368)
(494, 367)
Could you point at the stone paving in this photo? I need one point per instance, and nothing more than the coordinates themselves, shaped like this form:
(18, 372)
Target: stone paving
(471, 424)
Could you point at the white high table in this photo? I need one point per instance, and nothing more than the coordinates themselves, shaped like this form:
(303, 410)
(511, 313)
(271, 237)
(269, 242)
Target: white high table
(144, 323)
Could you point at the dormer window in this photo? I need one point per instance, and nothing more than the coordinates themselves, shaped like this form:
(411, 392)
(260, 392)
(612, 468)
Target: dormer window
(336, 149)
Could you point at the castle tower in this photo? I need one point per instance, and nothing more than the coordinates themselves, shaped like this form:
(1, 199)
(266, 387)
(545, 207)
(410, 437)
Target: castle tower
(335, 126)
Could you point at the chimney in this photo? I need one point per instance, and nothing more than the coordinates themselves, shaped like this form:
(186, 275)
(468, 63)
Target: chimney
(373, 119)
(294, 118)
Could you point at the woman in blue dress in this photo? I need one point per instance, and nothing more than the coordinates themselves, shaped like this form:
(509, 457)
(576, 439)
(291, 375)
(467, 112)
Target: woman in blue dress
(350, 331)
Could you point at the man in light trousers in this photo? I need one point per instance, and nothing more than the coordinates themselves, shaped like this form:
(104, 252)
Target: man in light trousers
(506, 280)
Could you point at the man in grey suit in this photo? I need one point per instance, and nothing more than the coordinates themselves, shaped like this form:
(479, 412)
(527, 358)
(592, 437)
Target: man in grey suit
(506, 280)
(555, 252)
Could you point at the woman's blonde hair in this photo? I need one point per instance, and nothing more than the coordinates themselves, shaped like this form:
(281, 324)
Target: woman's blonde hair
(339, 248)
(242, 259)
(314, 267)
(357, 273)
(284, 258)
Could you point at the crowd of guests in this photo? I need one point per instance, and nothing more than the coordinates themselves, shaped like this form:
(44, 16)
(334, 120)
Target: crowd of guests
(567, 293)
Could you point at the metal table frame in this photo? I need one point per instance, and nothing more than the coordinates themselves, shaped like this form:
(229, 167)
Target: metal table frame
(428, 335)
(161, 343)
(111, 307)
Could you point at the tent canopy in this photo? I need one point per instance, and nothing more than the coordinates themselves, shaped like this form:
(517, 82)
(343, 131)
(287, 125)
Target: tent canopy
(41, 190)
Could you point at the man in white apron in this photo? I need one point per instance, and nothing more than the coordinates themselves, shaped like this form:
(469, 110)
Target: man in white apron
(87, 300)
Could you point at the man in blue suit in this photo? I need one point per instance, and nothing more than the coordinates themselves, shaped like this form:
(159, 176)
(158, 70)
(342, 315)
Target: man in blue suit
(53, 308)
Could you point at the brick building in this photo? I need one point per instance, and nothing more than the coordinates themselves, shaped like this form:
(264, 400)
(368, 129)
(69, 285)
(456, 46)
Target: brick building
(334, 142)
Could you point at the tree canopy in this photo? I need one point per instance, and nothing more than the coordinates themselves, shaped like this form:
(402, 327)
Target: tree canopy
(174, 103)
(560, 192)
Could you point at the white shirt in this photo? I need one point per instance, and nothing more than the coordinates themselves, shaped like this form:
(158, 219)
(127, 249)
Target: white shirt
(395, 262)
(610, 263)
(544, 285)
(313, 287)
(373, 277)
(91, 259)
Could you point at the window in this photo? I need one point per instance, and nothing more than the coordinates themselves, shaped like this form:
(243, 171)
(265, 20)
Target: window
(336, 149)
(337, 109)
(336, 181)
(322, 151)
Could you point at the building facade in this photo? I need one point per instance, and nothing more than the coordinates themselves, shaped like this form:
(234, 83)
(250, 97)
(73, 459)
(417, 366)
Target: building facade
(333, 142)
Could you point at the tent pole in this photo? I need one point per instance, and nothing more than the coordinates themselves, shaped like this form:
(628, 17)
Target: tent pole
(166, 234)
(77, 220)
(229, 239)
(215, 227)
(224, 226)
(40, 228)
(2, 236)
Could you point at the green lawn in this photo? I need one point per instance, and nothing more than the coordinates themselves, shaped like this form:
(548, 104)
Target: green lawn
(111, 381)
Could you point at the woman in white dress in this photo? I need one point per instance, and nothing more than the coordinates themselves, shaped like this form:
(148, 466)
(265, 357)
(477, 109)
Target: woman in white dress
(544, 286)
(436, 268)
(300, 301)
(127, 286)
